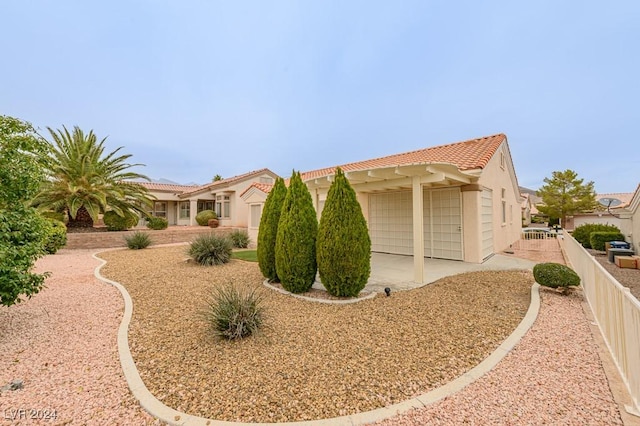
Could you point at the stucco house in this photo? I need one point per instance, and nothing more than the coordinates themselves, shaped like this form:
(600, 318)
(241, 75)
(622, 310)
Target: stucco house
(180, 204)
(459, 201)
(602, 216)
(630, 225)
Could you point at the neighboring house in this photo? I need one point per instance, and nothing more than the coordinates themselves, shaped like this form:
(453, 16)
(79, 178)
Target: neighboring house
(630, 225)
(601, 215)
(526, 209)
(180, 204)
(255, 196)
(459, 201)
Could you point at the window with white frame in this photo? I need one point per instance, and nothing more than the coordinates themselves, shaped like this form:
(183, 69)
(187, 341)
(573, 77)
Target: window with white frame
(206, 205)
(256, 213)
(159, 209)
(185, 209)
(223, 206)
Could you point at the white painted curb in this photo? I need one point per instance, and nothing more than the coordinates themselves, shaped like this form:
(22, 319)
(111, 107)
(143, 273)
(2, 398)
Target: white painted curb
(173, 417)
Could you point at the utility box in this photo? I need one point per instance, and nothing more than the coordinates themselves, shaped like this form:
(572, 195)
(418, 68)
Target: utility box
(626, 262)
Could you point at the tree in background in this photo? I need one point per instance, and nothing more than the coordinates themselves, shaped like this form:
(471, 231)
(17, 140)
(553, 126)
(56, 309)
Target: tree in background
(216, 178)
(268, 230)
(83, 181)
(565, 194)
(343, 246)
(296, 238)
(23, 232)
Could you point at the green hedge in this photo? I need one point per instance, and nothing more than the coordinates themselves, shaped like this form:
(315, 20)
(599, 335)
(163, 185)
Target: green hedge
(157, 223)
(582, 233)
(56, 236)
(597, 239)
(115, 222)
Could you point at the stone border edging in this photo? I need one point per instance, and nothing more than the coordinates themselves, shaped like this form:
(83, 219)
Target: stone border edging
(318, 300)
(173, 417)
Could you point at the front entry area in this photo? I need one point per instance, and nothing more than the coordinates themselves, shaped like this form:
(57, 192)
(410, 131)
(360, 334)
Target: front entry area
(391, 223)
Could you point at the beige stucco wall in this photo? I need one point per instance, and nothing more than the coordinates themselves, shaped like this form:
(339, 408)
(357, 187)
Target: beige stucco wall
(256, 197)
(472, 223)
(496, 177)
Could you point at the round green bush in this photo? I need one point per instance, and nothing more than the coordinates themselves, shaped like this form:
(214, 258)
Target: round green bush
(210, 250)
(555, 275)
(56, 236)
(115, 222)
(239, 238)
(138, 240)
(598, 239)
(582, 233)
(157, 223)
(203, 217)
(343, 244)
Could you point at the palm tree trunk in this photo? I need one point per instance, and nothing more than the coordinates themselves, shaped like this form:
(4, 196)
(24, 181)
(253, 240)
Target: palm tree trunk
(82, 219)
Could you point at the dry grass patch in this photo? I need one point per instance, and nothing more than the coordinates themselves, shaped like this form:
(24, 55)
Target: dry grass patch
(312, 360)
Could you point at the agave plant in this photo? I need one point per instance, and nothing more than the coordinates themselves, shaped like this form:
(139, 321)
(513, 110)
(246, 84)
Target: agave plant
(83, 181)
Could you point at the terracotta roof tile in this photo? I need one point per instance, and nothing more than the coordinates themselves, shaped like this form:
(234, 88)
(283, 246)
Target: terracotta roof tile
(264, 187)
(167, 187)
(230, 180)
(467, 155)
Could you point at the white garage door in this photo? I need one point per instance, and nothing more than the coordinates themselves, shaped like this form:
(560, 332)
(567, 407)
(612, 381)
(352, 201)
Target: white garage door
(391, 222)
(442, 217)
(487, 223)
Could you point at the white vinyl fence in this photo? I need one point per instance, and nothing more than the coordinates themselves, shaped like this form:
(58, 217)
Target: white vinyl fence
(616, 311)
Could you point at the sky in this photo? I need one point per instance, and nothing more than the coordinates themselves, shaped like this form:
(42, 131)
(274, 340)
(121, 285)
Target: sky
(197, 88)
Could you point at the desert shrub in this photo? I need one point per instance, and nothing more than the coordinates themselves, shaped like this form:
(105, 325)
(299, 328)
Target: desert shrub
(268, 230)
(343, 245)
(60, 216)
(233, 313)
(115, 222)
(210, 249)
(598, 238)
(582, 233)
(203, 217)
(555, 275)
(296, 239)
(239, 238)
(157, 223)
(138, 240)
(56, 236)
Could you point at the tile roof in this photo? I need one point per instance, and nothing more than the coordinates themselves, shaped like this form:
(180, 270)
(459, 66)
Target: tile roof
(167, 187)
(466, 155)
(264, 187)
(228, 181)
(625, 197)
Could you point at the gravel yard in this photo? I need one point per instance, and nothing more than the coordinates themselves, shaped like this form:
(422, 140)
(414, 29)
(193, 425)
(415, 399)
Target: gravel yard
(313, 360)
(625, 276)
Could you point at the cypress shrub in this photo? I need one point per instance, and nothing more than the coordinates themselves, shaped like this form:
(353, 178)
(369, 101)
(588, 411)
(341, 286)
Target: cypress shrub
(296, 238)
(598, 238)
(582, 233)
(269, 229)
(343, 247)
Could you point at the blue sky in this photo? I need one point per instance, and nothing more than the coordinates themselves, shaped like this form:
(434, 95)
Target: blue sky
(198, 88)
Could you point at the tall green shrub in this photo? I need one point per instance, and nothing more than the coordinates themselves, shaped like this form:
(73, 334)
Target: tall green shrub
(296, 238)
(269, 230)
(582, 233)
(343, 246)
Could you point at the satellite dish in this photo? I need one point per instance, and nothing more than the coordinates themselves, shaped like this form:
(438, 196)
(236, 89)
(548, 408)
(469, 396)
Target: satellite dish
(609, 202)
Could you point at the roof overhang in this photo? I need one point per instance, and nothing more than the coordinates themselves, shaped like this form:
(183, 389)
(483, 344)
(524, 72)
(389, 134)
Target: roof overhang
(401, 177)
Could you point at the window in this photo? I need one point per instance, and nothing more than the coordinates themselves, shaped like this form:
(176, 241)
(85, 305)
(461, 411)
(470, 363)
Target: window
(266, 180)
(159, 209)
(206, 205)
(502, 159)
(185, 210)
(256, 212)
(223, 206)
(504, 206)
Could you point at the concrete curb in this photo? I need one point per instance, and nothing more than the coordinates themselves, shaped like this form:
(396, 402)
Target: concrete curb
(173, 417)
(316, 300)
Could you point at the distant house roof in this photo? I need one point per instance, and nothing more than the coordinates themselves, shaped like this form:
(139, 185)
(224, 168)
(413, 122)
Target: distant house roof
(225, 183)
(264, 187)
(625, 197)
(167, 187)
(467, 155)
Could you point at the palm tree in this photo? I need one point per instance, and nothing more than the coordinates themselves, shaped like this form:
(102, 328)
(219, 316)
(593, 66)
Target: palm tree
(83, 182)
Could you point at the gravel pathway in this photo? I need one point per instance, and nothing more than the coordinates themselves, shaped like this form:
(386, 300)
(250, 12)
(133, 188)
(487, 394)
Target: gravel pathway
(62, 343)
